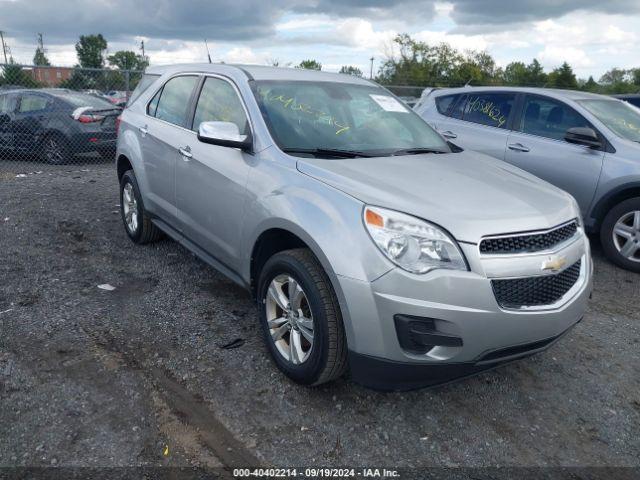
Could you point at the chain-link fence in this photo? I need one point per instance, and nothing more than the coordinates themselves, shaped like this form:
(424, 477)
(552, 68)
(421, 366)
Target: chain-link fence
(60, 115)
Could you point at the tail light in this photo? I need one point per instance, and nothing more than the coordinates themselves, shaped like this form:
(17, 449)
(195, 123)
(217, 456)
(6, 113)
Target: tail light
(84, 118)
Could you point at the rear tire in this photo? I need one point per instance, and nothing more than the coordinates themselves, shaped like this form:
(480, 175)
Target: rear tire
(55, 150)
(620, 234)
(137, 223)
(311, 313)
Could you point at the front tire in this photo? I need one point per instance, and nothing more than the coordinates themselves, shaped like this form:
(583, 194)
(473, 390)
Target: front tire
(137, 222)
(620, 234)
(301, 319)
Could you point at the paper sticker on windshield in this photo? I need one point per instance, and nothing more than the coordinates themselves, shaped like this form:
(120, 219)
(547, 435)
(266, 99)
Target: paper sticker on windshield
(389, 104)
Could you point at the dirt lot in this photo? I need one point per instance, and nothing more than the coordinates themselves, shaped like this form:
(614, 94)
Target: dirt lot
(139, 375)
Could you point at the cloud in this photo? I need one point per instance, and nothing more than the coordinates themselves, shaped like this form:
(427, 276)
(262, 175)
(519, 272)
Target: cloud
(552, 56)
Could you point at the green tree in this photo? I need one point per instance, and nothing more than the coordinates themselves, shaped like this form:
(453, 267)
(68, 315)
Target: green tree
(310, 65)
(635, 76)
(90, 50)
(128, 60)
(13, 74)
(349, 70)
(563, 77)
(536, 75)
(516, 73)
(40, 59)
(591, 86)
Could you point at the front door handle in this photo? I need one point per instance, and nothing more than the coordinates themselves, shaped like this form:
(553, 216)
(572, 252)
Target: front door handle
(518, 147)
(186, 153)
(449, 134)
(143, 130)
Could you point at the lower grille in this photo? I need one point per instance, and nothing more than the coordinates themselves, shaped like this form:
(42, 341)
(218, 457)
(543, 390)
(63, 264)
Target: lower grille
(535, 291)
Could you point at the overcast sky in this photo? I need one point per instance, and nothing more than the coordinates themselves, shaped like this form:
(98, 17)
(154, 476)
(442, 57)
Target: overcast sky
(592, 35)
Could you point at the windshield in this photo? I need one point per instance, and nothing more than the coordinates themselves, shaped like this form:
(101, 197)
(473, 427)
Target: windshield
(620, 117)
(332, 117)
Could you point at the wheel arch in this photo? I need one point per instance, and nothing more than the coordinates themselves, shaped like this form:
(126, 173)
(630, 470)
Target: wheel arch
(122, 165)
(617, 195)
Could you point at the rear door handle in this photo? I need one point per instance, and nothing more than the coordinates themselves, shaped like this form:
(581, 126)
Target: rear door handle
(518, 147)
(143, 130)
(449, 134)
(186, 153)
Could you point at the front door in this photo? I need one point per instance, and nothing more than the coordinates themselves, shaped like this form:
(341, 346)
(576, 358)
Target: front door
(161, 133)
(537, 145)
(30, 120)
(211, 180)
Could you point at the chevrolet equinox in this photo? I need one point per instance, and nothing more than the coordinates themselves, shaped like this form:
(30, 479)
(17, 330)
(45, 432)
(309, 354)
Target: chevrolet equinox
(367, 240)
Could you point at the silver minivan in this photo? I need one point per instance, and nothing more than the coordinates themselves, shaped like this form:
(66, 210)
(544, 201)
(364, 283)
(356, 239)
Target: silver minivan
(586, 144)
(369, 243)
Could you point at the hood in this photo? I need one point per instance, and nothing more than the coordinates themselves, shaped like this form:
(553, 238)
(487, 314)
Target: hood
(468, 193)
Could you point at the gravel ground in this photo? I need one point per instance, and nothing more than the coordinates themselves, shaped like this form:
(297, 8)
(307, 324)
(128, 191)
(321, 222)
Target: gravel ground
(139, 375)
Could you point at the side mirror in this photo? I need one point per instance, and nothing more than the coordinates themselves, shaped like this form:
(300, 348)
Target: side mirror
(224, 134)
(583, 136)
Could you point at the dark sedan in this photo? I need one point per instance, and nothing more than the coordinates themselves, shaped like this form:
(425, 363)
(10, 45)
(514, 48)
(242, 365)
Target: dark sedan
(56, 124)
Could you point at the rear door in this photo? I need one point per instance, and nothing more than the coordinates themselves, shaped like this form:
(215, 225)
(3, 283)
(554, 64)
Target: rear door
(211, 179)
(163, 132)
(30, 120)
(479, 121)
(537, 145)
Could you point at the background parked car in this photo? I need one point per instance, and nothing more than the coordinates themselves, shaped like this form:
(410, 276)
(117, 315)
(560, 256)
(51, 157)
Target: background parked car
(56, 124)
(586, 144)
(632, 98)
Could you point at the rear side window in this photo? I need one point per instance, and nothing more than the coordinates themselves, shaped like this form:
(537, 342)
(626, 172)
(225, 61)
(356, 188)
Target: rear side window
(549, 118)
(173, 102)
(444, 103)
(144, 83)
(491, 109)
(33, 103)
(219, 102)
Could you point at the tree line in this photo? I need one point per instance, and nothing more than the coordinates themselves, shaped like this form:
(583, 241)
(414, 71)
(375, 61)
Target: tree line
(414, 63)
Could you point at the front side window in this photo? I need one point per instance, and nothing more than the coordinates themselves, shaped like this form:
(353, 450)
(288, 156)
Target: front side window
(219, 102)
(491, 109)
(549, 118)
(173, 102)
(620, 117)
(341, 116)
(33, 103)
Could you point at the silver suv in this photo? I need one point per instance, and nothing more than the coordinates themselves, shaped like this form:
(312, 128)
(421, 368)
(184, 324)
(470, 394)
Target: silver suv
(367, 241)
(586, 144)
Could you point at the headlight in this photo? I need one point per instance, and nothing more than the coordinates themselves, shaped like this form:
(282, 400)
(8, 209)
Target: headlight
(412, 244)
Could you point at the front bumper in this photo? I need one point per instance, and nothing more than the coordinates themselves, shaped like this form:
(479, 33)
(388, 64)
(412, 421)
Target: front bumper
(462, 305)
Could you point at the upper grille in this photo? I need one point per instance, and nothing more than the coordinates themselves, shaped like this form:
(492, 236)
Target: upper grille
(535, 291)
(535, 242)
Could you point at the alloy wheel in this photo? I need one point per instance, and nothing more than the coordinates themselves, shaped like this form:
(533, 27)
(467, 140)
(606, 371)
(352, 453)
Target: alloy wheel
(289, 319)
(130, 208)
(626, 236)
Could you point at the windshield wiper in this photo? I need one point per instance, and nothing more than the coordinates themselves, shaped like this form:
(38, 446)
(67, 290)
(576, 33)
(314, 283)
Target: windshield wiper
(328, 152)
(416, 151)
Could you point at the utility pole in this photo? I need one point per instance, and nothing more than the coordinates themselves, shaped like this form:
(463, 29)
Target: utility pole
(4, 47)
(208, 54)
(371, 71)
(40, 43)
(142, 48)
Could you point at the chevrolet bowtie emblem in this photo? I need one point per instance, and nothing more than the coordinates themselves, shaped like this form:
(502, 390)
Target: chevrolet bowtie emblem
(554, 263)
